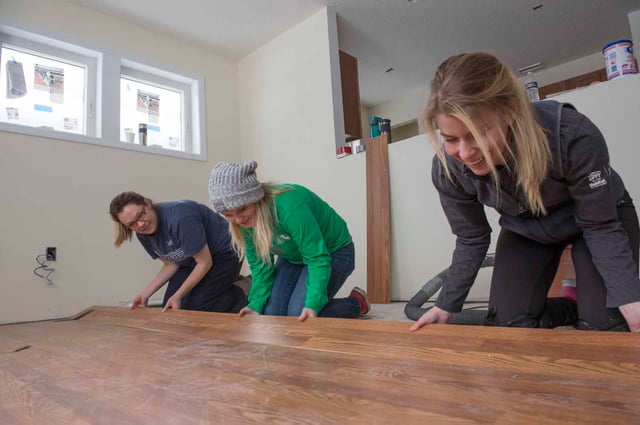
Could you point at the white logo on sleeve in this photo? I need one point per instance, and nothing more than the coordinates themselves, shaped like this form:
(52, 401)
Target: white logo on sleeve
(174, 256)
(596, 179)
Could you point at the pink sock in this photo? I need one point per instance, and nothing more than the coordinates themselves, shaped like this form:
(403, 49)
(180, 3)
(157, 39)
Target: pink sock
(569, 291)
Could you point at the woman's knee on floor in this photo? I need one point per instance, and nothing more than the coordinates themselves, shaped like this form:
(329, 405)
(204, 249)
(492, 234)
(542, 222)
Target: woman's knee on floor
(556, 312)
(612, 321)
(519, 321)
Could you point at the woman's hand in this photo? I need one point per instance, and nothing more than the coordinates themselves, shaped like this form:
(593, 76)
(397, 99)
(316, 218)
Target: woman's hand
(631, 313)
(306, 313)
(434, 315)
(174, 303)
(139, 300)
(246, 311)
(142, 299)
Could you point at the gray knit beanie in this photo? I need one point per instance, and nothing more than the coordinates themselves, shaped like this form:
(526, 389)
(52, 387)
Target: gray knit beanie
(233, 185)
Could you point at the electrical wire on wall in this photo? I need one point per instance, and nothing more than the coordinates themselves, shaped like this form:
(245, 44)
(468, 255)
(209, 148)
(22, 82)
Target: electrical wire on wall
(43, 270)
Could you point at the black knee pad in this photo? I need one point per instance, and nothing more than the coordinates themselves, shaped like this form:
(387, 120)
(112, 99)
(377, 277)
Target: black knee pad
(617, 324)
(522, 321)
(556, 312)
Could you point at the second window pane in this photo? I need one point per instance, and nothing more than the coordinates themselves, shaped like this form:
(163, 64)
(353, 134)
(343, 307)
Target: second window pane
(160, 109)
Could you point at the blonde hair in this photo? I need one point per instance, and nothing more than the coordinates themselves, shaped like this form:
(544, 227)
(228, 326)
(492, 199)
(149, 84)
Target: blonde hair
(262, 231)
(473, 86)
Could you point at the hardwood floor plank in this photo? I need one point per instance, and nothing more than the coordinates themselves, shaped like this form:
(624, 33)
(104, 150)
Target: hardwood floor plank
(113, 365)
(19, 403)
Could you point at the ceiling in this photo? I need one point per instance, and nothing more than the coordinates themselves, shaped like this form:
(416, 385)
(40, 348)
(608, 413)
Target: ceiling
(410, 36)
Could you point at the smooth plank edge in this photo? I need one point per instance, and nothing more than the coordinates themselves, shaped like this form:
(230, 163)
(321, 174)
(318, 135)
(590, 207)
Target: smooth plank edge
(378, 220)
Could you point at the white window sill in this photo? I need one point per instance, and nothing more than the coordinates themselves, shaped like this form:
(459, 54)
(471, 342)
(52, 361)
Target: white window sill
(79, 138)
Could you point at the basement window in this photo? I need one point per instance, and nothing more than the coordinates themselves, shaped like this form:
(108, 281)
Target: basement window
(161, 103)
(57, 89)
(46, 87)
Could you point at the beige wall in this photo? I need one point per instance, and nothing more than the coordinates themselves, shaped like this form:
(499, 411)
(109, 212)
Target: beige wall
(56, 193)
(287, 95)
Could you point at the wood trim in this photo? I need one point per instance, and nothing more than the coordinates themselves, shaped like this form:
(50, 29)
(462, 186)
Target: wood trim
(378, 220)
(583, 80)
(350, 96)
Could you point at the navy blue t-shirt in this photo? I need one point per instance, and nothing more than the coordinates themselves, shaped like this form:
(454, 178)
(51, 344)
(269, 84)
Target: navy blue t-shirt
(184, 227)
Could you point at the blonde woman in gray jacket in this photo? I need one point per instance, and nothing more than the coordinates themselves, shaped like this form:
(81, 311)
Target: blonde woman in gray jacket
(545, 168)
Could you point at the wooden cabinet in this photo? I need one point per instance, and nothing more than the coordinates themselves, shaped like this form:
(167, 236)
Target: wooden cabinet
(573, 83)
(350, 97)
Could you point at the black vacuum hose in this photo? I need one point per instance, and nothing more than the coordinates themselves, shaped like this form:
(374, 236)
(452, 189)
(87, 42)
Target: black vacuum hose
(414, 310)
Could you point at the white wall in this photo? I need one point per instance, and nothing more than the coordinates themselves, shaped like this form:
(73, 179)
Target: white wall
(288, 100)
(56, 193)
(403, 109)
(569, 69)
(410, 106)
(364, 121)
(422, 243)
(287, 126)
(614, 107)
(634, 26)
(280, 105)
(421, 239)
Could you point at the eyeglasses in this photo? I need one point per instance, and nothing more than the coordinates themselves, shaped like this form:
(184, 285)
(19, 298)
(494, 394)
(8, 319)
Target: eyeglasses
(139, 217)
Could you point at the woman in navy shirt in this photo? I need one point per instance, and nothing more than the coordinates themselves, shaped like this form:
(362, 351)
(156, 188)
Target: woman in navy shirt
(194, 246)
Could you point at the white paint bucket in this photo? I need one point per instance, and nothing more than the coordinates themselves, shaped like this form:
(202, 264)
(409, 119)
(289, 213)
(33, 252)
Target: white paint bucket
(618, 59)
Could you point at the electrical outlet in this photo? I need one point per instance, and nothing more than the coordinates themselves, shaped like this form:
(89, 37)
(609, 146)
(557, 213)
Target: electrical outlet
(52, 253)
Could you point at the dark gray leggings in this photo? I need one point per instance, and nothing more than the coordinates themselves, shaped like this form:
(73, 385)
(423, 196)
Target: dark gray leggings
(524, 271)
(216, 291)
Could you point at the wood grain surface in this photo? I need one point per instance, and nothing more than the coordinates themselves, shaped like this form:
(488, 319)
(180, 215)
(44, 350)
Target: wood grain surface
(116, 366)
(378, 220)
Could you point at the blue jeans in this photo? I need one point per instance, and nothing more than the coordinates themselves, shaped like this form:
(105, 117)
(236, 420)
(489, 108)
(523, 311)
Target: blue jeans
(289, 287)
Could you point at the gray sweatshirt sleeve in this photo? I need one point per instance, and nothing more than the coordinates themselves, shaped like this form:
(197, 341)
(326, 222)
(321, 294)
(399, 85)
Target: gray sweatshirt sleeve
(473, 234)
(591, 185)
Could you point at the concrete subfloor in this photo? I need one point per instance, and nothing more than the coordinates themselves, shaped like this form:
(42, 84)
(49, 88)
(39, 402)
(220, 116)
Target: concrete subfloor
(394, 311)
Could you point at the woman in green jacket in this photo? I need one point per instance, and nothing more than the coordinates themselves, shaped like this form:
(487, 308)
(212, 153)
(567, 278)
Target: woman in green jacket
(314, 250)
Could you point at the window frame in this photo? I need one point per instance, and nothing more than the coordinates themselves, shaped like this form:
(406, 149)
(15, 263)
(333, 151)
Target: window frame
(58, 50)
(141, 73)
(105, 68)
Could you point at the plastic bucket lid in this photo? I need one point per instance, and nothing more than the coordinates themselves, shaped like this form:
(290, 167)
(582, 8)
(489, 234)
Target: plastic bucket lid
(613, 43)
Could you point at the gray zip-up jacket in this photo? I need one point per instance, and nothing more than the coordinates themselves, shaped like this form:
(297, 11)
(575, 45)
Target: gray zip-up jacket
(580, 194)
